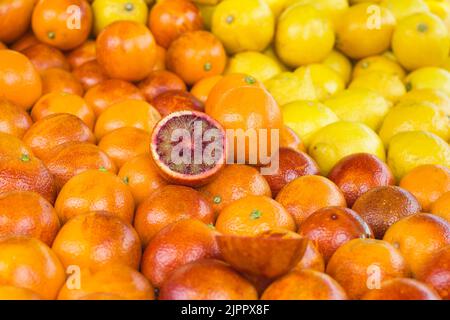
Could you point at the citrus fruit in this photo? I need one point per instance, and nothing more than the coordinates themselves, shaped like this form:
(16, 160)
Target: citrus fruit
(59, 80)
(159, 82)
(358, 173)
(302, 26)
(126, 50)
(176, 100)
(421, 40)
(12, 146)
(243, 26)
(386, 84)
(43, 57)
(333, 9)
(404, 8)
(306, 117)
(441, 207)
(14, 120)
(339, 63)
(90, 74)
(16, 18)
(289, 139)
(60, 25)
(337, 140)
(170, 19)
(177, 244)
(109, 11)
(288, 87)
(196, 55)
(429, 78)
(317, 192)
(95, 190)
(25, 41)
(16, 293)
(84, 53)
(401, 289)
(18, 75)
(436, 273)
(254, 63)
(202, 88)
(312, 259)
(379, 63)
(408, 150)
(167, 205)
(434, 96)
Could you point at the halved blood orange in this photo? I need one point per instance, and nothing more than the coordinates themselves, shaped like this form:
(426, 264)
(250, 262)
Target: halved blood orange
(188, 147)
(268, 256)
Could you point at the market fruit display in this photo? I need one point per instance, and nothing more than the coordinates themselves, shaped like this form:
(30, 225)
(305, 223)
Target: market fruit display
(224, 150)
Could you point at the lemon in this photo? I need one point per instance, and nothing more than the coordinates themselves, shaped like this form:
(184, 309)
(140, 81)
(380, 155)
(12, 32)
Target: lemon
(208, 2)
(360, 105)
(388, 85)
(442, 10)
(271, 54)
(325, 81)
(421, 40)
(332, 9)
(408, 150)
(365, 30)
(339, 63)
(340, 139)
(287, 87)
(303, 36)
(403, 8)
(253, 63)
(446, 64)
(436, 97)
(243, 25)
(306, 117)
(429, 78)
(207, 12)
(108, 11)
(378, 63)
(277, 6)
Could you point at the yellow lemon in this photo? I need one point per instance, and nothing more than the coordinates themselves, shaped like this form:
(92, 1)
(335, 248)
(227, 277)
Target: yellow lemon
(403, 8)
(429, 78)
(378, 63)
(339, 63)
(436, 97)
(421, 40)
(270, 52)
(411, 149)
(442, 10)
(304, 35)
(420, 116)
(333, 9)
(340, 139)
(365, 30)
(360, 105)
(287, 87)
(253, 63)
(306, 117)
(277, 6)
(446, 64)
(243, 25)
(388, 85)
(325, 81)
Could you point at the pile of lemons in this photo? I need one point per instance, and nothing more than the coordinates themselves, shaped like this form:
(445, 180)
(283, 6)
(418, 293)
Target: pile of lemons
(350, 76)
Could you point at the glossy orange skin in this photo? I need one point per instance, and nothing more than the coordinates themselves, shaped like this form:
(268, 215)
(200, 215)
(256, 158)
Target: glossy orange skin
(383, 206)
(160, 61)
(402, 289)
(45, 57)
(27, 214)
(176, 245)
(101, 296)
(202, 88)
(176, 100)
(352, 264)
(73, 158)
(312, 259)
(331, 227)
(234, 182)
(27, 173)
(128, 113)
(2, 46)
(124, 144)
(441, 207)
(358, 173)
(95, 190)
(427, 183)
(292, 164)
(59, 80)
(22, 257)
(317, 192)
(55, 130)
(61, 102)
(25, 41)
(90, 74)
(169, 19)
(84, 53)
(252, 215)
(126, 50)
(289, 139)
(13, 120)
(16, 293)
(12, 147)
(97, 240)
(304, 285)
(437, 273)
(116, 280)
(141, 175)
(17, 77)
(207, 280)
(419, 237)
(159, 82)
(110, 92)
(51, 19)
(15, 18)
(196, 55)
(167, 205)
